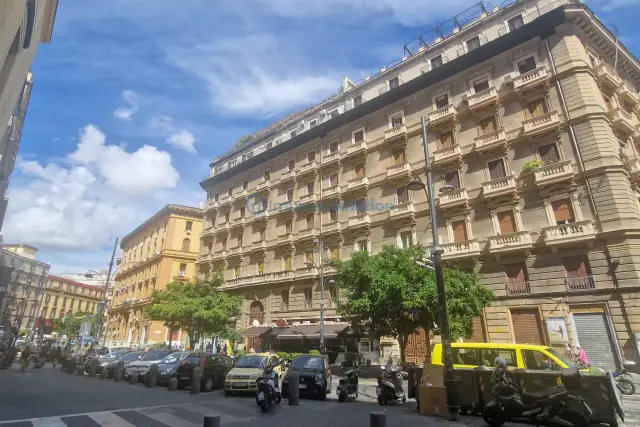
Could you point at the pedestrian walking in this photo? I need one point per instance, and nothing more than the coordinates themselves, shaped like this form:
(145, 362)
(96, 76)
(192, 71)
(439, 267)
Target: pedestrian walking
(567, 351)
(582, 356)
(24, 358)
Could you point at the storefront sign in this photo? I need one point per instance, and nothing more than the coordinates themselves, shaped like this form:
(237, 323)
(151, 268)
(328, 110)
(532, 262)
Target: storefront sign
(557, 330)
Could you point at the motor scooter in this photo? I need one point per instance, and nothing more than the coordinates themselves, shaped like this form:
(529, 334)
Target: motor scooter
(390, 387)
(268, 389)
(348, 385)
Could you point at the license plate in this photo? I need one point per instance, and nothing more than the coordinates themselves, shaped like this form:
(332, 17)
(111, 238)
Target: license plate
(302, 386)
(378, 391)
(261, 396)
(241, 385)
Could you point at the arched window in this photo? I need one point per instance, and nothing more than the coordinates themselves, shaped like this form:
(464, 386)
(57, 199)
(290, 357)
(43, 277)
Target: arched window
(186, 245)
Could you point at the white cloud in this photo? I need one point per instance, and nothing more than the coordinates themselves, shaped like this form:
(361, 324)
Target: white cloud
(183, 139)
(132, 101)
(101, 192)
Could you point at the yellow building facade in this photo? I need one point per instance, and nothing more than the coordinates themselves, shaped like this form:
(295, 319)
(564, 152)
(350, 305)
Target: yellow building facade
(64, 296)
(163, 249)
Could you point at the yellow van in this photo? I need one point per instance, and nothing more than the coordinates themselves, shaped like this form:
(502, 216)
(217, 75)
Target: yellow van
(518, 356)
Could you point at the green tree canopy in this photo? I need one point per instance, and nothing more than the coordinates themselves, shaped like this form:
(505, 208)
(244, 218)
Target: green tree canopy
(69, 325)
(389, 295)
(197, 307)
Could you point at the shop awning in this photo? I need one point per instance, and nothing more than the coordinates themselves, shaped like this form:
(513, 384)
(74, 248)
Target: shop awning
(311, 331)
(256, 331)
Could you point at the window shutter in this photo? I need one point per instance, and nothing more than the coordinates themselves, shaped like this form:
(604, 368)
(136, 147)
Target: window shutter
(549, 154)
(507, 222)
(459, 231)
(452, 179)
(562, 210)
(446, 139)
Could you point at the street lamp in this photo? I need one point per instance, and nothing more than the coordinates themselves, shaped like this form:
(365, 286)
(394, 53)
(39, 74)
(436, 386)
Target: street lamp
(331, 282)
(417, 185)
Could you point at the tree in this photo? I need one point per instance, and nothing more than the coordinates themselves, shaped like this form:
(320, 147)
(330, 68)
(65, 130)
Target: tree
(198, 307)
(69, 325)
(389, 295)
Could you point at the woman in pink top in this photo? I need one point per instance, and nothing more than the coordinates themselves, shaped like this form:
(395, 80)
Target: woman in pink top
(582, 356)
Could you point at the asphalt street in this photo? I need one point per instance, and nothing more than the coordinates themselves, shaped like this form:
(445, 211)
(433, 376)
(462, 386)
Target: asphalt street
(47, 397)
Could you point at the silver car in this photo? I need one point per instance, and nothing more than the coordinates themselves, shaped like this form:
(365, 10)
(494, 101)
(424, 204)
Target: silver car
(142, 365)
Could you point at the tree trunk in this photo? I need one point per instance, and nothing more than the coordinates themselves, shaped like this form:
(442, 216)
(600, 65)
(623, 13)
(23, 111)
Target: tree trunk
(170, 336)
(192, 336)
(427, 359)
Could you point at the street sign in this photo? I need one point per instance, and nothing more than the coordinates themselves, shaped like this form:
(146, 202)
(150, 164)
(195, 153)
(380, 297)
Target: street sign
(85, 329)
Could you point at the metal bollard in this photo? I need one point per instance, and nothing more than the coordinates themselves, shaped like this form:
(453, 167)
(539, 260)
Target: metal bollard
(294, 390)
(196, 380)
(134, 378)
(93, 367)
(211, 421)
(80, 370)
(71, 367)
(377, 419)
(173, 384)
(119, 371)
(151, 376)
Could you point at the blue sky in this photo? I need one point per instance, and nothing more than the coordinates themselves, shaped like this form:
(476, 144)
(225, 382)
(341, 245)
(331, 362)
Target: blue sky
(133, 98)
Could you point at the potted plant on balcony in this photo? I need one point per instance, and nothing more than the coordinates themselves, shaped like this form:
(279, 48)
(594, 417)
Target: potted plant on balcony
(531, 166)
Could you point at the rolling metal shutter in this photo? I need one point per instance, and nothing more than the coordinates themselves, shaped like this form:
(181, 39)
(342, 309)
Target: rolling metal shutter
(595, 339)
(526, 326)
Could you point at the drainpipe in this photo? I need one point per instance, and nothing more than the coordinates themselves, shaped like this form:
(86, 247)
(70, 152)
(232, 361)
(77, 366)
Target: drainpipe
(576, 148)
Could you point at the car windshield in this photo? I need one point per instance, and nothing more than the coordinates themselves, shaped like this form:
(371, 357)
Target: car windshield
(252, 362)
(173, 358)
(130, 357)
(562, 357)
(308, 363)
(155, 355)
(115, 354)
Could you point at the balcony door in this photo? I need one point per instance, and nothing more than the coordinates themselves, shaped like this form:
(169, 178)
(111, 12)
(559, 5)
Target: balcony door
(398, 157)
(549, 154)
(578, 273)
(442, 101)
(507, 222)
(527, 65)
(396, 121)
(563, 211)
(452, 179)
(497, 169)
(488, 125)
(537, 108)
(459, 231)
(516, 278)
(402, 194)
(446, 139)
(359, 170)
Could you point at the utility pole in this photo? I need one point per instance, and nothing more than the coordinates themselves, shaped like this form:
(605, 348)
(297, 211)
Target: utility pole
(102, 307)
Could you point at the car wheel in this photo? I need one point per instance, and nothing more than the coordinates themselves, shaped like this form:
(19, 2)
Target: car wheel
(207, 384)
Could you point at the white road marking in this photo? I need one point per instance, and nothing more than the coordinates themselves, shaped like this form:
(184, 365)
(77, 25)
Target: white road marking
(109, 419)
(171, 420)
(48, 422)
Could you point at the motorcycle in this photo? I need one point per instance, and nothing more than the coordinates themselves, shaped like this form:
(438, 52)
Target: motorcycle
(545, 407)
(348, 385)
(390, 386)
(268, 389)
(624, 382)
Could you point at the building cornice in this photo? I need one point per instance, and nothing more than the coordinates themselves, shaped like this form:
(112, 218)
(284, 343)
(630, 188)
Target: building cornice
(166, 211)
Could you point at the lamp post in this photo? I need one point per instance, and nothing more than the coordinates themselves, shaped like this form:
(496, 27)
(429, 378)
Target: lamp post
(331, 282)
(449, 377)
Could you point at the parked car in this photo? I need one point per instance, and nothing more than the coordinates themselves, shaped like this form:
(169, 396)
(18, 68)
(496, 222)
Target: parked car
(109, 364)
(106, 350)
(314, 375)
(214, 369)
(243, 376)
(142, 365)
(167, 367)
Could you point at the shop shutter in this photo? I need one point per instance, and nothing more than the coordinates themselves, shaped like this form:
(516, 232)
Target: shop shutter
(459, 231)
(562, 211)
(526, 326)
(478, 331)
(595, 339)
(507, 222)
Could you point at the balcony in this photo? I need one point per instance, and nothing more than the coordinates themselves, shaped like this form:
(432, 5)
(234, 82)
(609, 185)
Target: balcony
(308, 200)
(242, 195)
(499, 187)
(445, 116)
(530, 80)
(223, 228)
(309, 233)
(541, 125)
(452, 199)
(482, 99)
(205, 258)
(238, 222)
(264, 186)
(633, 166)
(283, 276)
(306, 273)
(261, 215)
(622, 121)
(212, 205)
(554, 173)
(220, 255)
(259, 246)
(235, 252)
(396, 134)
(285, 239)
(399, 172)
(451, 154)
(581, 283)
(288, 176)
(606, 75)
(208, 232)
(361, 183)
(518, 288)
(331, 228)
(331, 159)
(465, 249)
(491, 141)
(360, 220)
(402, 210)
(356, 149)
(225, 200)
(628, 93)
(331, 192)
(286, 207)
(310, 167)
(569, 233)
(518, 241)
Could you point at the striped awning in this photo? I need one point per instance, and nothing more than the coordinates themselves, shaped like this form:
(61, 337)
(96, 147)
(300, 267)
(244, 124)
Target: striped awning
(311, 331)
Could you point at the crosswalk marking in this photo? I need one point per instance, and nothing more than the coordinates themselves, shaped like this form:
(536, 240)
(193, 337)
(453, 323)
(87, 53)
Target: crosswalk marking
(171, 420)
(109, 419)
(48, 422)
